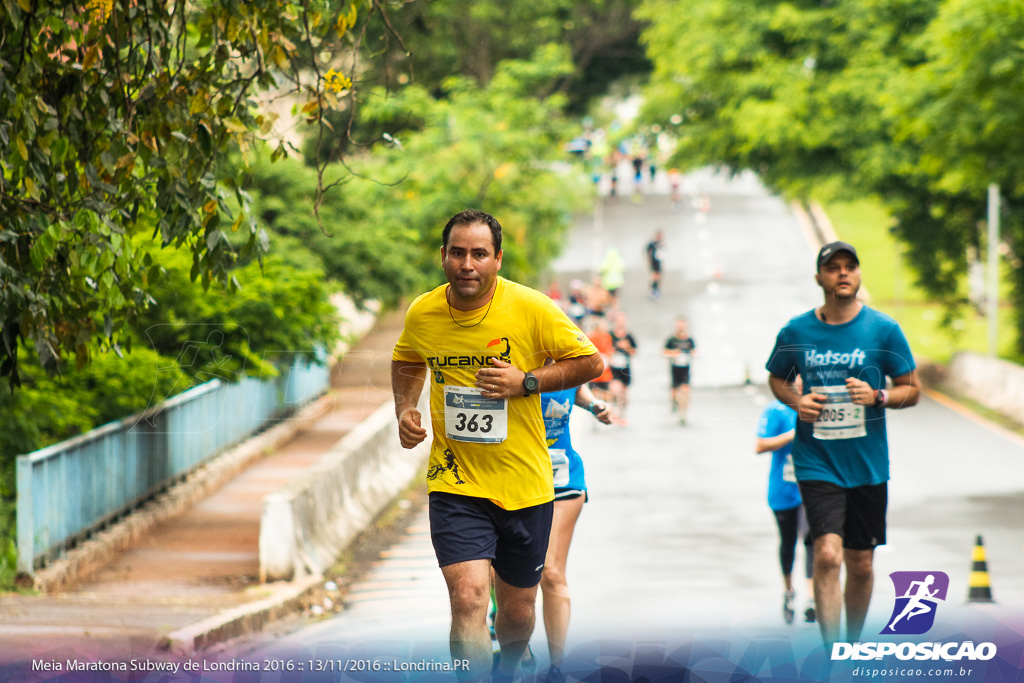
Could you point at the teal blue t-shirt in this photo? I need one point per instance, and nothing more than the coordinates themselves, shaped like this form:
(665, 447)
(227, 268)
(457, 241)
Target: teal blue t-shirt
(847, 445)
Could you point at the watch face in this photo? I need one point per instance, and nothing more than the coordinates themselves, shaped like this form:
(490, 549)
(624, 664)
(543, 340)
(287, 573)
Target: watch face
(530, 383)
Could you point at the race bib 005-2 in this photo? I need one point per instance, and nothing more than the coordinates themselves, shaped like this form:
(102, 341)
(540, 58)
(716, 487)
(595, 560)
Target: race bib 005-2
(840, 417)
(468, 416)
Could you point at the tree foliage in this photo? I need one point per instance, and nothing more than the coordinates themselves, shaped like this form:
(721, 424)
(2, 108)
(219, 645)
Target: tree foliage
(915, 102)
(471, 38)
(496, 147)
(115, 121)
(282, 311)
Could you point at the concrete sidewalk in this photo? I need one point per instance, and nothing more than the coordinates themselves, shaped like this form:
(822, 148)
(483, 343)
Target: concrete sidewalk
(200, 567)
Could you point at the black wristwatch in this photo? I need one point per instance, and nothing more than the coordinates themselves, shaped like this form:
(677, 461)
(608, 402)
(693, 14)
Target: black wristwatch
(530, 384)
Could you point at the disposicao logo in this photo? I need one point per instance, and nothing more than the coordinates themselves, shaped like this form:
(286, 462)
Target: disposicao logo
(918, 595)
(917, 598)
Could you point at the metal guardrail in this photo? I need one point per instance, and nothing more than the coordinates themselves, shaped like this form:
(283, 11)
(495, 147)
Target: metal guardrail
(69, 489)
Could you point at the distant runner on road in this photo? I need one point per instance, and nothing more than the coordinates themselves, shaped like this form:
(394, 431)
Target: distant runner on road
(623, 349)
(654, 250)
(679, 349)
(843, 351)
(481, 341)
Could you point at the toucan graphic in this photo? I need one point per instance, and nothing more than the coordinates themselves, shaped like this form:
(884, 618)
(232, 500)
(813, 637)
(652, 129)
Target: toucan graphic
(505, 355)
(449, 466)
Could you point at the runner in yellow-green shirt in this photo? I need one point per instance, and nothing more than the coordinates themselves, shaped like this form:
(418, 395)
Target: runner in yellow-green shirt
(481, 342)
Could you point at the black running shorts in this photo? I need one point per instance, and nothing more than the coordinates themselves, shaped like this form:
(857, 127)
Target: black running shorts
(464, 528)
(857, 514)
(680, 376)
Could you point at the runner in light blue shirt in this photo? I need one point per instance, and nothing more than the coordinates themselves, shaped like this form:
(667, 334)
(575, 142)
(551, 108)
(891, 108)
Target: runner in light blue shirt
(775, 433)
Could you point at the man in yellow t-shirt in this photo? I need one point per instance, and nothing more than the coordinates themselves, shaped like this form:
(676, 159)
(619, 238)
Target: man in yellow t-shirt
(481, 342)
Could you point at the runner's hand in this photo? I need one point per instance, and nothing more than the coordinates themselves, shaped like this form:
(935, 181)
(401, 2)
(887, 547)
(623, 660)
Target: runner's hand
(602, 413)
(501, 380)
(810, 406)
(860, 391)
(410, 433)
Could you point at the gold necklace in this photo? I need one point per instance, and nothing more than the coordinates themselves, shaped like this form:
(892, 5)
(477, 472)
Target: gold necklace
(452, 315)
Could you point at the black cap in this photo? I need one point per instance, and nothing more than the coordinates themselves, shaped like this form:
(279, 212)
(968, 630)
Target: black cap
(832, 248)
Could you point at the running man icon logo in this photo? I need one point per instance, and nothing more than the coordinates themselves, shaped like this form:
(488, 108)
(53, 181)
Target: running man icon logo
(917, 597)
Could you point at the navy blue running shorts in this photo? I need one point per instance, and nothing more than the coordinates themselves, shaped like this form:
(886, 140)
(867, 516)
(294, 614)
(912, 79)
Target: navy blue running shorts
(857, 514)
(464, 528)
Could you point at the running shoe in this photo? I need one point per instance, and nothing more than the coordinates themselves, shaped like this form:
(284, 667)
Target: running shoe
(555, 675)
(496, 675)
(788, 598)
(528, 664)
(810, 614)
(525, 671)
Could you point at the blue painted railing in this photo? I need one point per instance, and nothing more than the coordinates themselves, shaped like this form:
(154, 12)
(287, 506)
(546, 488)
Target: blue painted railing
(76, 486)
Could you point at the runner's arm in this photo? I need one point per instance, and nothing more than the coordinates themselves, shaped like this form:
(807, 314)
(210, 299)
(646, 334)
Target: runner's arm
(569, 372)
(585, 399)
(783, 391)
(406, 384)
(807, 406)
(905, 392)
(504, 380)
(774, 443)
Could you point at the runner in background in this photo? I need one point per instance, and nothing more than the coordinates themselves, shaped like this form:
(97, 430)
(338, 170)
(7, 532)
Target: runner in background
(637, 154)
(577, 307)
(654, 251)
(623, 348)
(555, 294)
(680, 349)
(598, 300)
(602, 340)
(570, 495)
(675, 184)
(775, 432)
(613, 275)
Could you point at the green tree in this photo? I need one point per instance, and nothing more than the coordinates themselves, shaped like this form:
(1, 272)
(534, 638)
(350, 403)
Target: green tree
(495, 147)
(115, 121)
(368, 257)
(467, 38)
(962, 108)
(426, 43)
(914, 102)
(280, 311)
(794, 91)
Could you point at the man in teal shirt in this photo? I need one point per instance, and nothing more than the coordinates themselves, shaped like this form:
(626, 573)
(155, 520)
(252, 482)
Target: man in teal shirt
(843, 351)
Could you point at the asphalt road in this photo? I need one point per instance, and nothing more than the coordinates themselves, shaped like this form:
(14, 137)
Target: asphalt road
(677, 541)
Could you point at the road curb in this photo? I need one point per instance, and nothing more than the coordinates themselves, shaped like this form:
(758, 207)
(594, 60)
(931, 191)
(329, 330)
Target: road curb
(286, 598)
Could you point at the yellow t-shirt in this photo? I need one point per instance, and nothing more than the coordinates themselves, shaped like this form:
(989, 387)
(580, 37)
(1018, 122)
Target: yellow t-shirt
(468, 455)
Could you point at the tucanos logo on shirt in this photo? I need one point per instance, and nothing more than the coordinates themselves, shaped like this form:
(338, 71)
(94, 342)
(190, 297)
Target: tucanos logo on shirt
(833, 358)
(473, 360)
(505, 355)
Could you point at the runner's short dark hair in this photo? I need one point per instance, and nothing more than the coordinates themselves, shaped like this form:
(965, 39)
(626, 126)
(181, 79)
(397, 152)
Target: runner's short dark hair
(472, 217)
